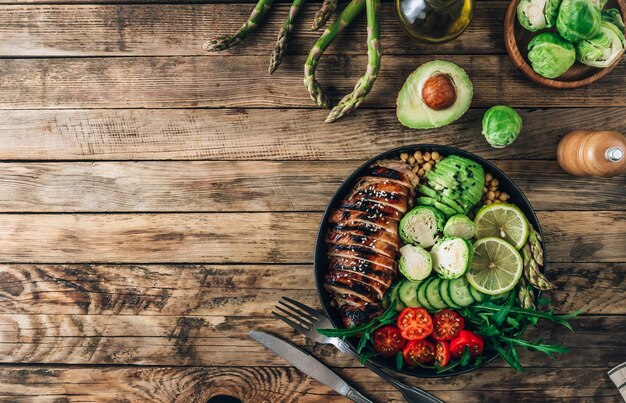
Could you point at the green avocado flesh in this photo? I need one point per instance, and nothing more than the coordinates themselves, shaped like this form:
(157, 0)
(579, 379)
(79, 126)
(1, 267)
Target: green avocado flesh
(414, 113)
(456, 182)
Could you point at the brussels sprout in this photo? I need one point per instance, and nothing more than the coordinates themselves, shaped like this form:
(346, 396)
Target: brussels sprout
(578, 19)
(501, 125)
(613, 16)
(550, 55)
(603, 49)
(535, 15)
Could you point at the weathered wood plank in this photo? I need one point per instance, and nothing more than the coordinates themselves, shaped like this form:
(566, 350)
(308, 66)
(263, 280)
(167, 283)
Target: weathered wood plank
(238, 290)
(241, 81)
(248, 186)
(166, 384)
(280, 134)
(224, 341)
(247, 237)
(181, 29)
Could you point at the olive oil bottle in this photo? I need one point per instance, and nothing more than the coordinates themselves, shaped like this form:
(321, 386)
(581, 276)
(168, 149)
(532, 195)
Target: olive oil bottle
(434, 21)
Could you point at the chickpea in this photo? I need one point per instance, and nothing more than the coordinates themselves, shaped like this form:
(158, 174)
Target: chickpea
(420, 160)
(488, 176)
(404, 156)
(427, 156)
(418, 155)
(411, 160)
(427, 166)
(440, 158)
(415, 169)
(497, 194)
(435, 155)
(421, 172)
(488, 202)
(491, 195)
(484, 190)
(417, 182)
(504, 196)
(495, 182)
(493, 188)
(497, 201)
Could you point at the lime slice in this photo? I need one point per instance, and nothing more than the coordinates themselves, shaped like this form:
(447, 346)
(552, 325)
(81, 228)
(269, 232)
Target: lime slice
(496, 267)
(503, 221)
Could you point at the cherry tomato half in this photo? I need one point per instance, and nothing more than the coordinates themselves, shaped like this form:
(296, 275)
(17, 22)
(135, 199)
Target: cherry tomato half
(442, 353)
(465, 340)
(447, 325)
(388, 341)
(415, 323)
(419, 352)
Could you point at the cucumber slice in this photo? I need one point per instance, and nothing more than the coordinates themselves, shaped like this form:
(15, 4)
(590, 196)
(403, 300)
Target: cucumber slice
(407, 293)
(477, 295)
(415, 262)
(460, 293)
(444, 293)
(452, 257)
(393, 296)
(432, 295)
(421, 294)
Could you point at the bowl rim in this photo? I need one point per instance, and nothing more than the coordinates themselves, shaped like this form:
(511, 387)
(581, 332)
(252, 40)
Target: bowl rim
(320, 243)
(510, 42)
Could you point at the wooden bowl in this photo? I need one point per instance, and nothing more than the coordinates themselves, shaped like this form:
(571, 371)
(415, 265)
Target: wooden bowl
(516, 40)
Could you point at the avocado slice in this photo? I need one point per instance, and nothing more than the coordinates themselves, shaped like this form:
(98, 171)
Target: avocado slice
(429, 201)
(425, 190)
(436, 94)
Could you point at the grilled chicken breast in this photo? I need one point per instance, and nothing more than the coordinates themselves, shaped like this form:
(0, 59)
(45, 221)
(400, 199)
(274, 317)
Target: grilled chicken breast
(363, 240)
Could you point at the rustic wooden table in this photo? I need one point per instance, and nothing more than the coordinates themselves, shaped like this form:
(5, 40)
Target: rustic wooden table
(157, 201)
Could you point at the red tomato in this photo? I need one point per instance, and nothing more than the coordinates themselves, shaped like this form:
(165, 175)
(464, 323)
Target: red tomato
(419, 352)
(388, 341)
(465, 340)
(447, 325)
(415, 323)
(442, 353)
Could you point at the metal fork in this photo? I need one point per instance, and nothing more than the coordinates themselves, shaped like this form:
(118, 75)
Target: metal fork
(307, 320)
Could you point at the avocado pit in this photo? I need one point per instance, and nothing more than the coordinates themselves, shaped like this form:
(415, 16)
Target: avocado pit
(438, 92)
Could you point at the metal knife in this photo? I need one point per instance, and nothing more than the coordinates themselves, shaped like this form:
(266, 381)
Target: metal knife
(308, 365)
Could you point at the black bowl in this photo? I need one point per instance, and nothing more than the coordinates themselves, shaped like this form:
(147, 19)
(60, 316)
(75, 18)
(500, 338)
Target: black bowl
(321, 258)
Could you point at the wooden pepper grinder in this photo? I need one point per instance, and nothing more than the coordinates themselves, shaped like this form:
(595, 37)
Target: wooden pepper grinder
(592, 153)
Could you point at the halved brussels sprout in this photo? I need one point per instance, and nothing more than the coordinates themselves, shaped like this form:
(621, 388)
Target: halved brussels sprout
(550, 55)
(578, 19)
(535, 15)
(501, 125)
(603, 49)
(613, 16)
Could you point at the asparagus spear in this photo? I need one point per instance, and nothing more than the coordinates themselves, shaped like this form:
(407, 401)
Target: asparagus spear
(283, 36)
(226, 41)
(535, 245)
(525, 295)
(345, 18)
(531, 270)
(365, 83)
(324, 13)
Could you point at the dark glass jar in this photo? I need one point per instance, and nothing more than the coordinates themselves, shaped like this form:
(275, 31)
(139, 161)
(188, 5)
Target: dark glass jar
(435, 21)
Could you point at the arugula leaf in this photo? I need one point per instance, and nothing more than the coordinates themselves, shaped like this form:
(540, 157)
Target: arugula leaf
(399, 360)
(370, 326)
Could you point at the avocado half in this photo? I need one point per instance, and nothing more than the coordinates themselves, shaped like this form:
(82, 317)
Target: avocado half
(411, 109)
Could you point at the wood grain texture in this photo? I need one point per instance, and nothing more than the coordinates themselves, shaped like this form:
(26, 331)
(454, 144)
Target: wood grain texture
(241, 81)
(279, 134)
(248, 186)
(237, 290)
(224, 341)
(181, 29)
(248, 237)
(272, 384)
